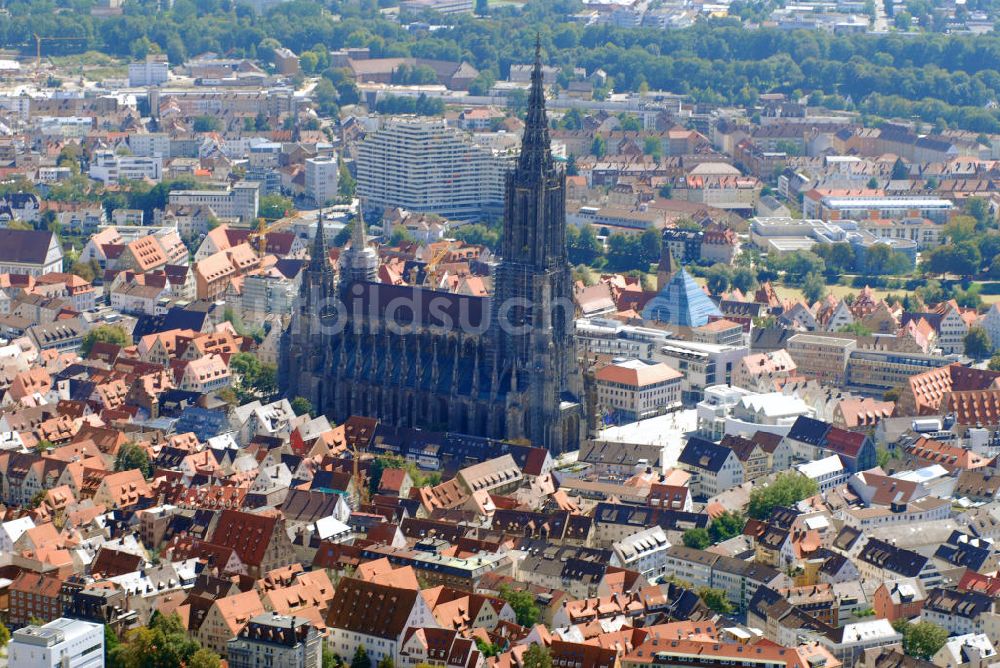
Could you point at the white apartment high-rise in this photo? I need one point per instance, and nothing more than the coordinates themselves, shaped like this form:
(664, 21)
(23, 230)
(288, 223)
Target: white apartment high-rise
(321, 178)
(422, 165)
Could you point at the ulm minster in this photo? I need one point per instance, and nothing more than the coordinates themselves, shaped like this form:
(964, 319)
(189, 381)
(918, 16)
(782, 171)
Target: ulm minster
(502, 366)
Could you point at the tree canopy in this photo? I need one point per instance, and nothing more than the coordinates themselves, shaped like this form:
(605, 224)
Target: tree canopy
(945, 79)
(977, 343)
(165, 643)
(133, 456)
(922, 639)
(523, 604)
(104, 334)
(787, 489)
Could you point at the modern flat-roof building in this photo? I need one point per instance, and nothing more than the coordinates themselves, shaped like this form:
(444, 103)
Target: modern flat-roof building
(876, 371)
(703, 365)
(600, 336)
(821, 357)
(439, 6)
(785, 235)
(728, 411)
(853, 207)
(422, 165)
(108, 167)
(62, 643)
(241, 201)
(153, 71)
(321, 178)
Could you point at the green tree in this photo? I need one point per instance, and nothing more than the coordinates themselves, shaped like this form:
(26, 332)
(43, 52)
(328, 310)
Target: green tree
(744, 279)
(111, 642)
(571, 167)
(899, 170)
(204, 658)
(630, 123)
(537, 656)
(345, 182)
(599, 147)
(813, 288)
(883, 456)
(652, 147)
(522, 603)
(487, 649)
(386, 662)
(961, 228)
(165, 643)
(133, 456)
(726, 526)
(88, 271)
(254, 379)
(994, 364)
(207, 124)
(582, 246)
(719, 277)
(273, 207)
(329, 660)
(979, 209)
(400, 236)
(716, 600)
(696, 538)
(104, 334)
(36, 499)
(856, 328)
(977, 343)
(650, 244)
(361, 659)
(482, 84)
(787, 489)
(326, 97)
(302, 406)
(922, 639)
(797, 265)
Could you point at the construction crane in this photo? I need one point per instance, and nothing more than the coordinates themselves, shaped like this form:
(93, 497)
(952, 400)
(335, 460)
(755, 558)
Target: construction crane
(258, 238)
(430, 269)
(359, 480)
(38, 46)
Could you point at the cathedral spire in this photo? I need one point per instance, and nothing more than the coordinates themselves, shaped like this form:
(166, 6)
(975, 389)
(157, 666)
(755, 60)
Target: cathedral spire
(317, 259)
(535, 153)
(359, 262)
(358, 235)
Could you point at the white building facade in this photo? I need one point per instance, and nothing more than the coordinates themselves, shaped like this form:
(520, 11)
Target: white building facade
(62, 643)
(424, 166)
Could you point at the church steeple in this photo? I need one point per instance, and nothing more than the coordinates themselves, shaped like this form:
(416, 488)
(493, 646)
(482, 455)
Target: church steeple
(535, 206)
(535, 153)
(359, 238)
(318, 261)
(358, 263)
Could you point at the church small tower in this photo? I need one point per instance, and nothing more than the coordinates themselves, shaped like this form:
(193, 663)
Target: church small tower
(666, 268)
(359, 263)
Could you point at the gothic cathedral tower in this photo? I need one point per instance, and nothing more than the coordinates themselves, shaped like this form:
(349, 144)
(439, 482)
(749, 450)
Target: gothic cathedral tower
(533, 302)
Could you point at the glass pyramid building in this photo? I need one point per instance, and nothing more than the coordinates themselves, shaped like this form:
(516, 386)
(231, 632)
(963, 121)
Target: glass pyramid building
(681, 303)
